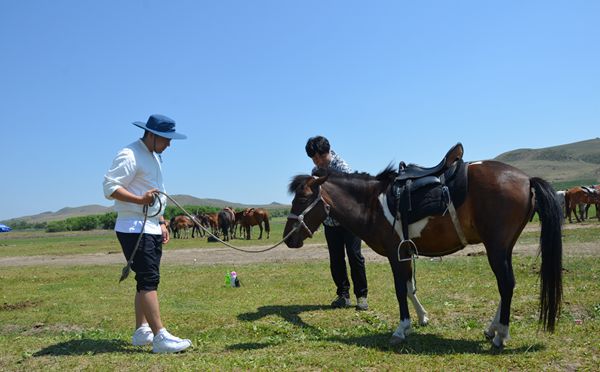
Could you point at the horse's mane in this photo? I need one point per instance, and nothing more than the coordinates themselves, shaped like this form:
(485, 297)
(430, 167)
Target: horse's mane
(297, 181)
(385, 177)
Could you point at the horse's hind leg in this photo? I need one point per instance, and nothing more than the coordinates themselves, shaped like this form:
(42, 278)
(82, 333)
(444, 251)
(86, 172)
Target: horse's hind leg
(501, 263)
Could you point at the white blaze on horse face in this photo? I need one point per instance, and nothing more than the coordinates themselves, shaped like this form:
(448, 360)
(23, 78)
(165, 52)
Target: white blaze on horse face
(414, 229)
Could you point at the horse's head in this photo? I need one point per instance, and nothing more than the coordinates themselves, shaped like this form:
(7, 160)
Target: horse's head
(308, 211)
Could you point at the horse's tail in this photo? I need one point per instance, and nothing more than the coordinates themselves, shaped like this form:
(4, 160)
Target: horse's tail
(551, 220)
(267, 226)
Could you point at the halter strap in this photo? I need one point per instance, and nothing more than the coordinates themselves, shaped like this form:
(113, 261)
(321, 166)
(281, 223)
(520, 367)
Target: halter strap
(300, 217)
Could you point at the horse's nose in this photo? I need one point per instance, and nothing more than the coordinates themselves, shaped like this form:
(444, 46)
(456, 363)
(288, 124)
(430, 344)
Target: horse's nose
(293, 242)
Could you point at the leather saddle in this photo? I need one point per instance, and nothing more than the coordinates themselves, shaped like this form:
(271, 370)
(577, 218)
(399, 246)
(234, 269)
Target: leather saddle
(419, 192)
(414, 171)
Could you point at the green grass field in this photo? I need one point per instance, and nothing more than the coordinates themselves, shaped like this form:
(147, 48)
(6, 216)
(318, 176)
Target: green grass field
(79, 317)
(31, 243)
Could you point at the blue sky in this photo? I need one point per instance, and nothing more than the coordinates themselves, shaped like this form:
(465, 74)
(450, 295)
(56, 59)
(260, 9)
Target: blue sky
(250, 81)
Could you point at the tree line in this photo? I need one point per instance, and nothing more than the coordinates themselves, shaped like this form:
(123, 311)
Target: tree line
(106, 221)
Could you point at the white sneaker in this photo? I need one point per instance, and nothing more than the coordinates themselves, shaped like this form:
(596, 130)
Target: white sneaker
(142, 336)
(164, 342)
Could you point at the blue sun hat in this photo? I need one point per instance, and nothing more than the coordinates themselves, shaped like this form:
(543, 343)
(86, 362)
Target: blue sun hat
(161, 126)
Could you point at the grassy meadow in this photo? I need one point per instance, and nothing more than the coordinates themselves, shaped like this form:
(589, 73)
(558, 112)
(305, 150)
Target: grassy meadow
(79, 317)
(31, 243)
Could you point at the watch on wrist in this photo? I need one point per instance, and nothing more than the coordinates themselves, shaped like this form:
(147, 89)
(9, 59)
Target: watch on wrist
(161, 222)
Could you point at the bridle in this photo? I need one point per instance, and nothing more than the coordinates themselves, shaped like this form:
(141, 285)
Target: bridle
(300, 217)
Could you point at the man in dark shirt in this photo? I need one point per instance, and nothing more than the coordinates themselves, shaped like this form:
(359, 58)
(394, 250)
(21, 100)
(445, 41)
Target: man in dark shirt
(339, 239)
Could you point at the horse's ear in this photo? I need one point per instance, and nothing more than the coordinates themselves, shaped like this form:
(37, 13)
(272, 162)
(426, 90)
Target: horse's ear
(320, 180)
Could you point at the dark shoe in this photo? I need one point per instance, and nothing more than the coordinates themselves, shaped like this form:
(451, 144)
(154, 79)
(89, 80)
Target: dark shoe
(340, 302)
(362, 304)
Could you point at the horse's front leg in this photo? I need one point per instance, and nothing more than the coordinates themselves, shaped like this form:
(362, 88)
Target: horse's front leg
(401, 272)
(421, 312)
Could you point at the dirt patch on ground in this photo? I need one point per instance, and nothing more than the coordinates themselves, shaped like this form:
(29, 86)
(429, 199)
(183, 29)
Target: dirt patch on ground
(224, 255)
(18, 306)
(39, 328)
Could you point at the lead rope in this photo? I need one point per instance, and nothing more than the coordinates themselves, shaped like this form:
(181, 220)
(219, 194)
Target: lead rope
(219, 240)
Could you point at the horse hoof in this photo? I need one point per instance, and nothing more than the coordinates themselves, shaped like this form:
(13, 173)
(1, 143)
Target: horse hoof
(497, 344)
(424, 322)
(488, 335)
(396, 340)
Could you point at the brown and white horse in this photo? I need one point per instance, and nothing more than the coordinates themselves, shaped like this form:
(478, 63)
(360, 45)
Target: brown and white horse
(500, 199)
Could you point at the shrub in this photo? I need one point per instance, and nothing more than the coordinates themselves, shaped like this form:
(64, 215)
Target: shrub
(107, 220)
(56, 226)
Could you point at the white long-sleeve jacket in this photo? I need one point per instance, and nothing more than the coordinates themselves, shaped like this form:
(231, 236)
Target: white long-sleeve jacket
(138, 170)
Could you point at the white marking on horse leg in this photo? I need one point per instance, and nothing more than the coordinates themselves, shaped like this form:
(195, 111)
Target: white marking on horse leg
(421, 312)
(494, 324)
(403, 330)
(502, 336)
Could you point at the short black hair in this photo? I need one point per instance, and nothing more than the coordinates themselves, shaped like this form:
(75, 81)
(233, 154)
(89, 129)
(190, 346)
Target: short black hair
(317, 145)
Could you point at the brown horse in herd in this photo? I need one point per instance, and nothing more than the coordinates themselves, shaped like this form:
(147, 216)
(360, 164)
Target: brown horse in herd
(255, 217)
(226, 218)
(499, 202)
(577, 196)
(180, 226)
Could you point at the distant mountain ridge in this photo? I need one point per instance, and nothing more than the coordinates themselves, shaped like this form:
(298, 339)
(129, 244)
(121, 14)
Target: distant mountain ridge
(87, 210)
(570, 162)
(563, 163)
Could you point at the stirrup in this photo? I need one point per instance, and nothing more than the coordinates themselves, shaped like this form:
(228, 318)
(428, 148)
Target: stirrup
(414, 253)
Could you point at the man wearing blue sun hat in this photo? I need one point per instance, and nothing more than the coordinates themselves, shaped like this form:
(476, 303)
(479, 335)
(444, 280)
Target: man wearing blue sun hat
(132, 181)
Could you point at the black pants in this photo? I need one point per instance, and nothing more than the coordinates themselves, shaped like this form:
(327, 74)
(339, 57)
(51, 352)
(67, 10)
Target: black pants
(340, 242)
(146, 263)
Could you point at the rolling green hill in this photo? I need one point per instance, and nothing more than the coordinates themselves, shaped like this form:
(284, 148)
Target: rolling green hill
(570, 164)
(87, 210)
(564, 166)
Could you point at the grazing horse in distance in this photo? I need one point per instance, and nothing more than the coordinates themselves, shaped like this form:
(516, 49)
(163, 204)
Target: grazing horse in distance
(213, 222)
(180, 225)
(226, 219)
(256, 216)
(238, 222)
(202, 218)
(499, 201)
(560, 196)
(578, 195)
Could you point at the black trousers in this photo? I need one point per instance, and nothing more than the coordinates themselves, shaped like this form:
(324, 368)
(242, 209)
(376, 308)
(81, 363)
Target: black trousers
(340, 242)
(146, 263)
